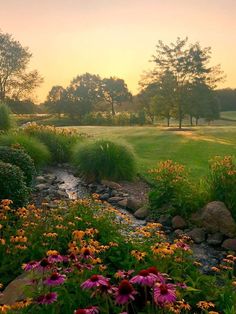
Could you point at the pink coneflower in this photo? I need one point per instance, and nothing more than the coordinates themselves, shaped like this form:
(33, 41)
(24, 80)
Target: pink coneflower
(95, 281)
(164, 293)
(125, 292)
(55, 258)
(154, 270)
(55, 279)
(48, 298)
(29, 266)
(144, 278)
(124, 274)
(43, 265)
(182, 245)
(86, 253)
(73, 257)
(88, 310)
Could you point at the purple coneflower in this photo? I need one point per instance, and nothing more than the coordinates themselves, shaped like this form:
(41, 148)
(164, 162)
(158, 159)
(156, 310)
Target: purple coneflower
(88, 310)
(164, 293)
(55, 279)
(144, 278)
(125, 292)
(95, 281)
(29, 266)
(124, 274)
(182, 245)
(43, 265)
(55, 258)
(48, 298)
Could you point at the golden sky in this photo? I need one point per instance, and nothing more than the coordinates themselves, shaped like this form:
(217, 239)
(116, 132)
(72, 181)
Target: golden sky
(116, 37)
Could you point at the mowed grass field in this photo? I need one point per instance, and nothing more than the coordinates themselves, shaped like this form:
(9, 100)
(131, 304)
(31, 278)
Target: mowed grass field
(192, 147)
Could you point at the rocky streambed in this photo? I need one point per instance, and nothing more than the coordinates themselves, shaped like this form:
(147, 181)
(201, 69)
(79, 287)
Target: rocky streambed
(61, 183)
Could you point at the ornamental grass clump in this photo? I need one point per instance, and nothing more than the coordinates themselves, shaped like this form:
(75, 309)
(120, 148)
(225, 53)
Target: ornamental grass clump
(18, 157)
(104, 160)
(58, 141)
(32, 146)
(221, 181)
(6, 120)
(172, 190)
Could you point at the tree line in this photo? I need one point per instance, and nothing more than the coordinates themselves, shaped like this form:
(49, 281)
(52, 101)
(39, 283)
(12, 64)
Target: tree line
(182, 82)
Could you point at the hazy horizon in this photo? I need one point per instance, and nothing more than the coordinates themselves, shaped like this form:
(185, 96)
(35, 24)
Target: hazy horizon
(115, 38)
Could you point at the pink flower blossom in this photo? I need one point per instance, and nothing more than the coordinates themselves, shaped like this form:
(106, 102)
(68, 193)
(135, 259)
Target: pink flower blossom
(55, 258)
(95, 281)
(164, 293)
(125, 292)
(29, 266)
(144, 278)
(88, 310)
(48, 298)
(55, 279)
(43, 265)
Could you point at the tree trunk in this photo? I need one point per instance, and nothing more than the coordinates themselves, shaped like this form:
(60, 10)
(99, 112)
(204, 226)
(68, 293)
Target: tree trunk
(180, 116)
(112, 109)
(191, 120)
(197, 121)
(168, 121)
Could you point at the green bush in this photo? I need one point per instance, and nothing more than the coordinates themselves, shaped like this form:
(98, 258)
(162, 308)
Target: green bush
(32, 146)
(6, 121)
(12, 184)
(19, 158)
(104, 160)
(58, 141)
(172, 192)
(221, 181)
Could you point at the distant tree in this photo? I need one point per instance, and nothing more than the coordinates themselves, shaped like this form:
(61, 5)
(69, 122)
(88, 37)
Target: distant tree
(82, 94)
(115, 91)
(55, 102)
(22, 106)
(145, 100)
(187, 64)
(227, 99)
(15, 81)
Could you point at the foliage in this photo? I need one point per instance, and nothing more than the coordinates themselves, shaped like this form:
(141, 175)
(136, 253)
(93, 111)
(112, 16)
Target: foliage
(87, 243)
(15, 81)
(12, 184)
(19, 158)
(172, 191)
(104, 160)
(221, 181)
(6, 121)
(32, 146)
(58, 141)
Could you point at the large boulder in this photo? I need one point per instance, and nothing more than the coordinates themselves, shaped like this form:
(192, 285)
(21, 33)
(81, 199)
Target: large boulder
(198, 235)
(215, 217)
(141, 213)
(229, 244)
(178, 222)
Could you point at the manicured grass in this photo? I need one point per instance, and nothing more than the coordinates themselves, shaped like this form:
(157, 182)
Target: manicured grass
(231, 115)
(193, 148)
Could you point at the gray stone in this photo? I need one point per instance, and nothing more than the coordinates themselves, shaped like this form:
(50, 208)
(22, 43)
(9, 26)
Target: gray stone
(215, 238)
(215, 217)
(62, 194)
(141, 213)
(178, 222)
(133, 204)
(104, 197)
(114, 199)
(198, 235)
(123, 203)
(100, 189)
(111, 184)
(229, 244)
(40, 179)
(179, 232)
(41, 186)
(114, 193)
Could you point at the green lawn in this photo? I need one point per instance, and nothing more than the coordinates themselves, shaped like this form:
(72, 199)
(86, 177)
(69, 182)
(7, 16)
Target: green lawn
(151, 144)
(231, 115)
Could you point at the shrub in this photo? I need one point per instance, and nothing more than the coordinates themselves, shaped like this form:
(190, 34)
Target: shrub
(221, 181)
(19, 158)
(172, 190)
(32, 146)
(104, 160)
(6, 121)
(58, 141)
(12, 184)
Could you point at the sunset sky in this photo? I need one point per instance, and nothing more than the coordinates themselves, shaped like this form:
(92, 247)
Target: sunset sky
(116, 37)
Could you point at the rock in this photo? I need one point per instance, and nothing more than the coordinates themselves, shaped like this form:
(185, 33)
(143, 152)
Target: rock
(133, 204)
(215, 217)
(198, 235)
(179, 233)
(41, 186)
(123, 203)
(141, 213)
(14, 291)
(50, 177)
(165, 220)
(114, 199)
(178, 222)
(114, 193)
(104, 197)
(62, 194)
(40, 179)
(100, 189)
(229, 244)
(111, 184)
(215, 238)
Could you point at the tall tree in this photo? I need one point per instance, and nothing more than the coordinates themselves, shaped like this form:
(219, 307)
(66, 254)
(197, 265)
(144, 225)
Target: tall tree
(187, 64)
(15, 81)
(56, 100)
(115, 91)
